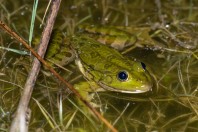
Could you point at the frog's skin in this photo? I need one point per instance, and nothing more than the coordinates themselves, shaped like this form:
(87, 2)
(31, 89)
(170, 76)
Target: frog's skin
(103, 66)
(114, 37)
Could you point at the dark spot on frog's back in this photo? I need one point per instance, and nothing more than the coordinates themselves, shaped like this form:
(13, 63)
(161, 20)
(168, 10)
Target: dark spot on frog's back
(94, 54)
(76, 42)
(107, 66)
(82, 40)
(68, 54)
(110, 57)
(96, 46)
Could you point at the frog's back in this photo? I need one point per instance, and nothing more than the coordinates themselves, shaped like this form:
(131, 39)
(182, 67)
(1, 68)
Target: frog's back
(106, 66)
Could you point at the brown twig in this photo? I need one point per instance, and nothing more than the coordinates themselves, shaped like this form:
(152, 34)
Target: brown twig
(19, 121)
(23, 106)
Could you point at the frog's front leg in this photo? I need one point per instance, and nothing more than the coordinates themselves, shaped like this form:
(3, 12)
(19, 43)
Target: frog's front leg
(88, 90)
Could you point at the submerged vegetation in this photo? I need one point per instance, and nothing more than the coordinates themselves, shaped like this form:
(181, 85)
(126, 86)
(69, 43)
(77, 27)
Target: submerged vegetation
(167, 28)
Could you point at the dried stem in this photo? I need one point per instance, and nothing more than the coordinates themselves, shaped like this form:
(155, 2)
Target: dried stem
(19, 121)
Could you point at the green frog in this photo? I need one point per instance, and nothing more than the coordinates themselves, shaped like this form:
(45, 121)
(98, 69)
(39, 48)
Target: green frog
(103, 66)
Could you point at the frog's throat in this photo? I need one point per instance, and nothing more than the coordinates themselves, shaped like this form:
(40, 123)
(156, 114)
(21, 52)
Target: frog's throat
(146, 88)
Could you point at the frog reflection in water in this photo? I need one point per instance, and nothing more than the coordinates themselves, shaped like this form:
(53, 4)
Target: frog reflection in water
(104, 67)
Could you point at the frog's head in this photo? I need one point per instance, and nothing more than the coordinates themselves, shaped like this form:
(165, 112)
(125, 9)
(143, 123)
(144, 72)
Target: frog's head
(134, 80)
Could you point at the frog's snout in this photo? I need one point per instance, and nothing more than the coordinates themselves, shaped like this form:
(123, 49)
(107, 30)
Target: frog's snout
(147, 86)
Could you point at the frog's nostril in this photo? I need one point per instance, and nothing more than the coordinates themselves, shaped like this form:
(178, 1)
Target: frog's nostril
(143, 65)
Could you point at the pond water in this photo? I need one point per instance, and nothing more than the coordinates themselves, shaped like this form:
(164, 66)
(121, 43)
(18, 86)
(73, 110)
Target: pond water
(171, 106)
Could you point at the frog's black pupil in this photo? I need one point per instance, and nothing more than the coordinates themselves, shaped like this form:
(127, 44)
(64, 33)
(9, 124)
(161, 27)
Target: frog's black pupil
(143, 65)
(123, 76)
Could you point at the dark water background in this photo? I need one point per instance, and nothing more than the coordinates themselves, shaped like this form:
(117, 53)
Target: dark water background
(172, 106)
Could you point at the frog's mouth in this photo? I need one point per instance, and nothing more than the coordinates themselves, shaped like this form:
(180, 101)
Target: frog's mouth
(143, 89)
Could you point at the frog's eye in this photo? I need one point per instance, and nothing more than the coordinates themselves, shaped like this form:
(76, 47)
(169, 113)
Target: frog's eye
(143, 65)
(122, 75)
